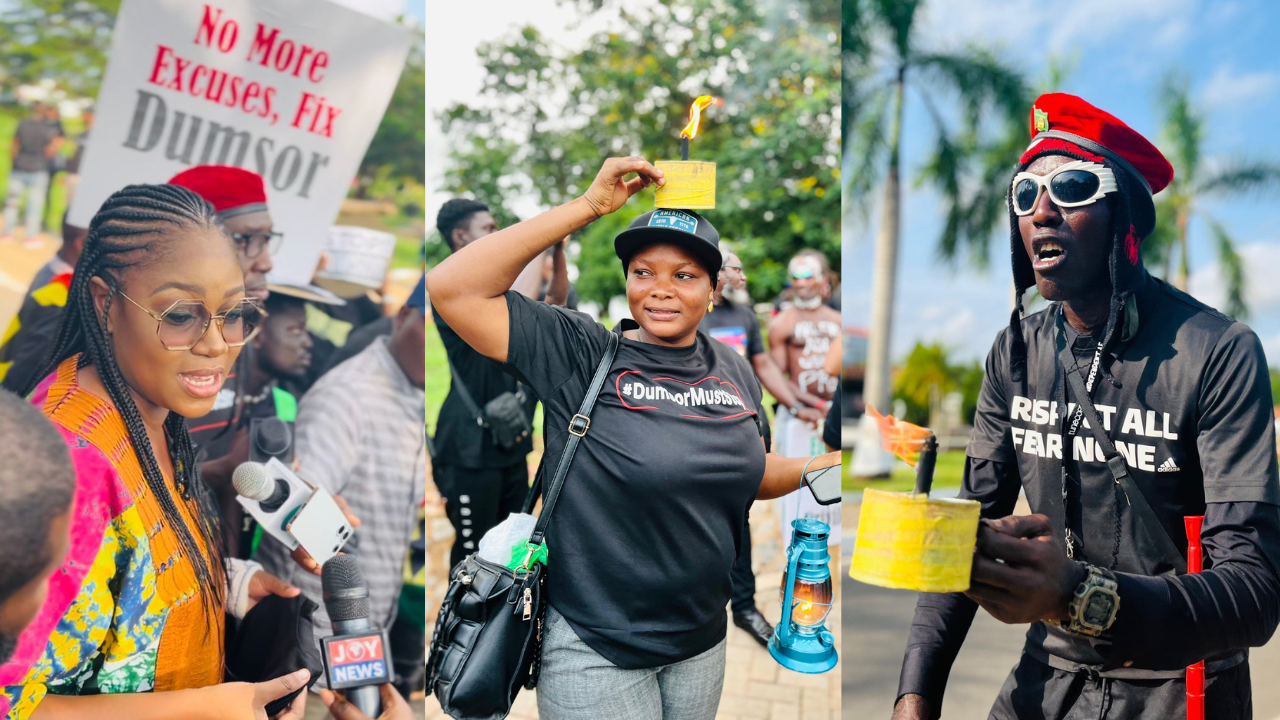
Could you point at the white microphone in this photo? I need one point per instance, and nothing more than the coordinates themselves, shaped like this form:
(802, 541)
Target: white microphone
(291, 510)
(253, 481)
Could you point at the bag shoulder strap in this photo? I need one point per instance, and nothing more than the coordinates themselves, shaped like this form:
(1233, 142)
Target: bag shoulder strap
(578, 427)
(464, 393)
(1115, 461)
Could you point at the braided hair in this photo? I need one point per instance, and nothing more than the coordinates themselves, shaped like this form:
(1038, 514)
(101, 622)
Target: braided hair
(127, 231)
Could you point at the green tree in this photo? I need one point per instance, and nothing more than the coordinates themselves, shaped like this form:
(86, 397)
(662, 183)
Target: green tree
(1183, 138)
(982, 89)
(927, 375)
(547, 117)
(398, 147)
(62, 40)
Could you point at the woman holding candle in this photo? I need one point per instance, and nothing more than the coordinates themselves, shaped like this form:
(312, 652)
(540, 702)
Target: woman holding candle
(649, 520)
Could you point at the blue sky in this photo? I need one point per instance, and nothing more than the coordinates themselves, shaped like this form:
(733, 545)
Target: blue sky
(416, 9)
(1121, 49)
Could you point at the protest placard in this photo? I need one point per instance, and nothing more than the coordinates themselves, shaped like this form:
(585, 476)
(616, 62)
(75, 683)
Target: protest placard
(293, 90)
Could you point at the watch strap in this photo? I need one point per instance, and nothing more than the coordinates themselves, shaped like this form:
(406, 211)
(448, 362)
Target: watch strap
(1097, 580)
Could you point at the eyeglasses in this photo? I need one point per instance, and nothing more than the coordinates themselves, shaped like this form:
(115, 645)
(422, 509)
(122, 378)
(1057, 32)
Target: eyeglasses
(182, 326)
(802, 274)
(252, 244)
(1072, 184)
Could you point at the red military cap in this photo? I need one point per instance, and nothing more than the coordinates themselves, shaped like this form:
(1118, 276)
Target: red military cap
(1063, 117)
(231, 190)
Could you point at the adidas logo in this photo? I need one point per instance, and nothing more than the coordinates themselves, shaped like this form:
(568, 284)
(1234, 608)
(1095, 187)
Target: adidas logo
(1168, 466)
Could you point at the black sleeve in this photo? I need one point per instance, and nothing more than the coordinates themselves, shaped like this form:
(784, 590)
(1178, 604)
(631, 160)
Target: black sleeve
(831, 428)
(1235, 430)
(1232, 605)
(755, 343)
(942, 619)
(547, 344)
(990, 437)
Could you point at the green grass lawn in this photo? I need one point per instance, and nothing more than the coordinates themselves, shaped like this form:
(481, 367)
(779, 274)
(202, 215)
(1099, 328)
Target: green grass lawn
(947, 474)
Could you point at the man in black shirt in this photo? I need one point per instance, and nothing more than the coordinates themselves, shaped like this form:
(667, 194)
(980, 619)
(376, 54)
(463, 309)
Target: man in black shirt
(1121, 409)
(482, 482)
(735, 324)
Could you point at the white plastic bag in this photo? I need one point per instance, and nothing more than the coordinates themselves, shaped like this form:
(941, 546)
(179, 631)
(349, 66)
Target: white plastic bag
(496, 544)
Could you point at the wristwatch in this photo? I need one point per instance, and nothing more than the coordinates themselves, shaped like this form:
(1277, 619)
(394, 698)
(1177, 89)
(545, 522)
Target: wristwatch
(1094, 605)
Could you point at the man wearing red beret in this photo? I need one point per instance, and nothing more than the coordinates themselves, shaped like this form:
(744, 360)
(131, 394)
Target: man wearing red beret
(239, 197)
(1119, 410)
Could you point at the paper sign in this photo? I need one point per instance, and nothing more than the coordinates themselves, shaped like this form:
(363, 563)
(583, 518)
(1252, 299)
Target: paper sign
(293, 90)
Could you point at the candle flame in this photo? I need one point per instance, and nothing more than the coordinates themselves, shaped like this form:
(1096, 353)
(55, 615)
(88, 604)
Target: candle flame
(900, 438)
(695, 114)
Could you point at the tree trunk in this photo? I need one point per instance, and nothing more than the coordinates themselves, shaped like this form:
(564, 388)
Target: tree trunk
(870, 460)
(1181, 280)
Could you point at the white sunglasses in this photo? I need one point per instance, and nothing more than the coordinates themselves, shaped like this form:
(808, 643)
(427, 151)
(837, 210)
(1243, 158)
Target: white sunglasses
(1069, 185)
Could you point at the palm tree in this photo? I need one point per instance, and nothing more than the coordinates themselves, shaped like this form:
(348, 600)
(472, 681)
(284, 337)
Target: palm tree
(1183, 140)
(891, 59)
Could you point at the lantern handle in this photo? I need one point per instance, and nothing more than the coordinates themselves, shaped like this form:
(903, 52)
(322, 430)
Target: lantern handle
(802, 472)
(788, 599)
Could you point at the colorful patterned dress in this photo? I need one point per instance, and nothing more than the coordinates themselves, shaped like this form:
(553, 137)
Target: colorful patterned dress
(124, 612)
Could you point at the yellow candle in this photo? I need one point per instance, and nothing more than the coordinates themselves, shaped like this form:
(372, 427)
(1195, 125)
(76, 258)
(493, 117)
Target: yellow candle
(910, 541)
(690, 185)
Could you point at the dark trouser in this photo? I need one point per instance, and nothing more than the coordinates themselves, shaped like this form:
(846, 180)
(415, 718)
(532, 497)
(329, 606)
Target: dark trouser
(744, 581)
(1035, 691)
(479, 498)
(408, 654)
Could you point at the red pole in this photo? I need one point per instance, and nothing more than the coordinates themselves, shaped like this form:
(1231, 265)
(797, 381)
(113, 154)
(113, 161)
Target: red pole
(1195, 673)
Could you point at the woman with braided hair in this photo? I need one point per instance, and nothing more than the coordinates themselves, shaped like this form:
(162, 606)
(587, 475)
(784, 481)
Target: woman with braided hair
(156, 314)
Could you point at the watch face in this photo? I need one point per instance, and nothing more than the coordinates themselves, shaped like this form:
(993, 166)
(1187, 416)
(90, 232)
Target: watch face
(1097, 608)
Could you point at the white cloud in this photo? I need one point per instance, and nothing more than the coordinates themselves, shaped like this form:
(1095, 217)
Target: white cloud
(1229, 88)
(1062, 27)
(1271, 347)
(1261, 261)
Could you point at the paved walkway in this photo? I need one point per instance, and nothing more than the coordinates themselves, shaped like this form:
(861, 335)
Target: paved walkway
(755, 686)
(18, 264)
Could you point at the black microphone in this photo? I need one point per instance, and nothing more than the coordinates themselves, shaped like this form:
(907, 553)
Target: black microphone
(355, 656)
(252, 480)
(270, 437)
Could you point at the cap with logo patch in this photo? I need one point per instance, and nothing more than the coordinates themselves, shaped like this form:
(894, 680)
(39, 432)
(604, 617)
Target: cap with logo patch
(684, 228)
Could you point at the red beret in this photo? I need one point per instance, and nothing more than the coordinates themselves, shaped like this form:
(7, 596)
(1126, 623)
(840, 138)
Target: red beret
(1058, 116)
(231, 190)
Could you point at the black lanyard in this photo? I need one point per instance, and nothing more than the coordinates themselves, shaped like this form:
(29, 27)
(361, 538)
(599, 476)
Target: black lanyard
(1074, 428)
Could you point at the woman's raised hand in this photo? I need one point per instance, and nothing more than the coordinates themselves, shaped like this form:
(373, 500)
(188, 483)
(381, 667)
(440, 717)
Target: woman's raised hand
(609, 191)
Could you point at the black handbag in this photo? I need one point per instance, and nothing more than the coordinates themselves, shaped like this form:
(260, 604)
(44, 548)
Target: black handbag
(503, 415)
(488, 635)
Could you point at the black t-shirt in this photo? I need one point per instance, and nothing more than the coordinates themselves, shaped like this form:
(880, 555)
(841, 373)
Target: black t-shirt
(459, 439)
(649, 520)
(1186, 398)
(831, 428)
(736, 326)
(1186, 394)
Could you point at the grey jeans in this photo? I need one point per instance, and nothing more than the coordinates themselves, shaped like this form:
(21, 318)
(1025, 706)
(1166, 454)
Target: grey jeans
(578, 684)
(35, 184)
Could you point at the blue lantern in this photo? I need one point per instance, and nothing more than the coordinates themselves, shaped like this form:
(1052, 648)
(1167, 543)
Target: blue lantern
(801, 641)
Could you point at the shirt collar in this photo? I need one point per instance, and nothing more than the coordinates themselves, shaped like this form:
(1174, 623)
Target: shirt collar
(400, 384)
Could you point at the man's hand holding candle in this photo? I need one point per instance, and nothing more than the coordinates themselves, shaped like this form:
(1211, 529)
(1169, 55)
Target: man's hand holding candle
(1021, 572)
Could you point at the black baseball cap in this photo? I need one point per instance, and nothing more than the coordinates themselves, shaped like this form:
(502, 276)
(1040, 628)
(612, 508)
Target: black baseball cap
(685, 228)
